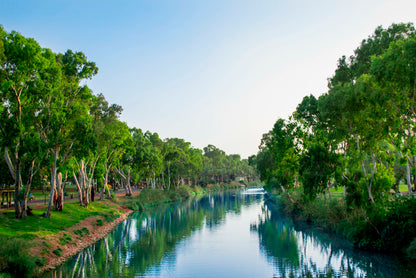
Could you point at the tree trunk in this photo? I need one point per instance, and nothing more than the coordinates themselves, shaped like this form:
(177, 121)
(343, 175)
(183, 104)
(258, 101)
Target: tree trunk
(169, 175)
(60, 193)
(23, 202)
(17, 188)
(53, 183)
(105, 181)
(79, 190)
(288, 195)
(128, 187)
(408, 179)
(329, 190)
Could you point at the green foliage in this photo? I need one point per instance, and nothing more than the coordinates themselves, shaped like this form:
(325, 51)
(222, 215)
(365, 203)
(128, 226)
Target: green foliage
(85, 230)
(15, 259)
(392, 227)
(46, 244)
(99, 222)
(58, 251)
(411, 250)
(277, 160)
(66, 238)
(81, 232)
(317, 165)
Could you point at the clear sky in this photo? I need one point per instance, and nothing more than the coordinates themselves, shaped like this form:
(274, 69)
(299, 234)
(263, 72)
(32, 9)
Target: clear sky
(210, 72)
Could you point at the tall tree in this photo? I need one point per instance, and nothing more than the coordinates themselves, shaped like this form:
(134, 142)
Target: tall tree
(67, 109)
(28, 75)
(395, 72)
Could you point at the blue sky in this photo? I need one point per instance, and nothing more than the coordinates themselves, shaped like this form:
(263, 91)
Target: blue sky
(210, 72)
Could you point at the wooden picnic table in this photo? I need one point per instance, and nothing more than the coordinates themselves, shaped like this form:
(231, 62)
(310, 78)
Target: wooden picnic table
(7, 194)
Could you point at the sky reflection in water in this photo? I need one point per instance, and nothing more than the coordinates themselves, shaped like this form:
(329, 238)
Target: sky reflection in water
(229, 235)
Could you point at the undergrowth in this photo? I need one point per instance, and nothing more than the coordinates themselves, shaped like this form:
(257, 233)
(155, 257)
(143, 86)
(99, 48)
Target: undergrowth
(15, 259)
(388, 227)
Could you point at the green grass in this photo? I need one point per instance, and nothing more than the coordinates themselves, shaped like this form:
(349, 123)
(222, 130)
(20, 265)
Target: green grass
(337, 192)
(39, 195)
(37, 225)
(15, 234)
(403, 187)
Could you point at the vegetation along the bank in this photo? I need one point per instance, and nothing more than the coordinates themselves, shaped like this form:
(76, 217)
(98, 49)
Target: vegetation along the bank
(60, 140)
(359, 137)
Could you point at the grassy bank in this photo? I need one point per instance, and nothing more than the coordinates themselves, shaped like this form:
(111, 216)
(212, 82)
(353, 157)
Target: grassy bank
(390, 227)
(21, 237)
(155, 197)
(28, 244)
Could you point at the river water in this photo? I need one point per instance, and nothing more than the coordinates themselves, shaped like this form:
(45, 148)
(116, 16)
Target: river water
(228, 235)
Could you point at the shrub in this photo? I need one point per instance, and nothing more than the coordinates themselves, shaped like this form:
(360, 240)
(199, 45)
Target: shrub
(15, 260)
(391, 227)
(411, 250)
(65, 239)
(184, 193)
(58, 251)
(81, 232)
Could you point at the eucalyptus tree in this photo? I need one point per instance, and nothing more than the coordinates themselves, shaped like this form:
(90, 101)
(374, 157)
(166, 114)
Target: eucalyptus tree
(112, 135)
(170, 154)
(126, 160)
(353, 111)
(195, 164)
(28, 77)
(280, 150)
(177, 159)
(266, 166)
(68, 109)
(147, 158)
(214, 162)
(318, 160)
(155, 158)
(395, 73)
(349, 70)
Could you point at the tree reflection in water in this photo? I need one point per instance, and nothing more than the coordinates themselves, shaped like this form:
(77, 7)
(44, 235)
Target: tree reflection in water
(148, 240)
(304, 251)
(142, 241)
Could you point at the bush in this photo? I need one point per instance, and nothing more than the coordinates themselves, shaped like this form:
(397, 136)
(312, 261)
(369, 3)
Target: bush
(58, 251)
(65, 239)
(389, 228)
(411, 250)
(15, 260)
(184, 192)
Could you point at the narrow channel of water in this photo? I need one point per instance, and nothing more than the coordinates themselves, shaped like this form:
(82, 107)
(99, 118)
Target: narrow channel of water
(228, 235)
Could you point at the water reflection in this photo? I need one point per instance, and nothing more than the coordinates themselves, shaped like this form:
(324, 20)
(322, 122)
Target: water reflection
(229, 235)
(302, 251)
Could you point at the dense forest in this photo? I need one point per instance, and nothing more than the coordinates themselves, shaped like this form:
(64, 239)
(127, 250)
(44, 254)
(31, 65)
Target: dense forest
(358, 136)
(55, 130)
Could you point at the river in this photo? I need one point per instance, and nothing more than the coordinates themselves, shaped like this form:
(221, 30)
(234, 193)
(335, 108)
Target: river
(227, 235)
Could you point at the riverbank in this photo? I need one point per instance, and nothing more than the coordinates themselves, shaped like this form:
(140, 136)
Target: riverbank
(390, 228)
(154, 197)
(37, 244)
(83, 234)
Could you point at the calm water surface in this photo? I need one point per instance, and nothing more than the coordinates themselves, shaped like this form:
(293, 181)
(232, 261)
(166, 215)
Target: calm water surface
(229, 235)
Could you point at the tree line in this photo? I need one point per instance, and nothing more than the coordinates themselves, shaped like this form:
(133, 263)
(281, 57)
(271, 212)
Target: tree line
(359, 135)
(54, 127)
